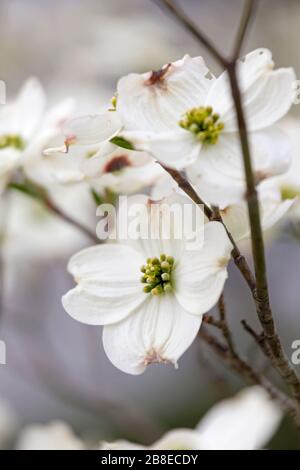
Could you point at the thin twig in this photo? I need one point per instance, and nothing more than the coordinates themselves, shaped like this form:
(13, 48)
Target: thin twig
(210, 320)
(259, 338)
(192, 28)
(185, 185)
(249, 375)
(247, 17)
(225, 328)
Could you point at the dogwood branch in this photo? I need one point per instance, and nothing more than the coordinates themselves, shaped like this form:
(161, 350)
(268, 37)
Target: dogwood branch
(259, 338)
(225, 328)
(261, 293)
(40, 194)
(249, 375)
(259, 289)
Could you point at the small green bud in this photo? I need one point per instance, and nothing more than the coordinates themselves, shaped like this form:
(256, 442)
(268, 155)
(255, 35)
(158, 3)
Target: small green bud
(168, 287)
(165, 266)
(147, 289)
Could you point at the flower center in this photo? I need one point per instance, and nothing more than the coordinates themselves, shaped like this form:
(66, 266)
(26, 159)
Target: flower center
(157, 275)
(204, 123)
(12, 140)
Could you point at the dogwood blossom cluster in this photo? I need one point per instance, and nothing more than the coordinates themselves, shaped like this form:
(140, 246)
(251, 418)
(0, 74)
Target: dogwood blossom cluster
(150, 296)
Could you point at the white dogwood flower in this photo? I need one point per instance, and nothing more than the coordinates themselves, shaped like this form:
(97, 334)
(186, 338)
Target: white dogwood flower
(149, 293)
(25, 127)
(244, 422)
(121, 170)
(56, 435)
(184, 116)
(104, 167)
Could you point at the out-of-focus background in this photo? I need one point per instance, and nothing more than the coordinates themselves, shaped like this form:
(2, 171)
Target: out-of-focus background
(56, 367)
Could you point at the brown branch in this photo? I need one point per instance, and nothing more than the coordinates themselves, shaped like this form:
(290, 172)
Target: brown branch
(261, 293)
(210, 320)
(185, 185)
(249, 375)
(225, 328)
(259, 338)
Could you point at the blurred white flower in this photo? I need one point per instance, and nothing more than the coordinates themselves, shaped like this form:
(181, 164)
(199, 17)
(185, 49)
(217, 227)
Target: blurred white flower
(149, 294)
(26, 127)
(53, 436)
(120, 170)
(8, 422)
(30, 231)
(184, 116)
(289, 182)
(272, 208)
(244, 422)
(103, 167)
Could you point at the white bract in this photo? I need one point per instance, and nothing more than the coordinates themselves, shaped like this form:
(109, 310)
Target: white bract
(53, 436)
(272, 205)
(92, 129)
(244, 422)
(26, 127)
(102, 165)
(150, 294)
(272, 208)
(106, 167)
(289, 183)
(186, 118)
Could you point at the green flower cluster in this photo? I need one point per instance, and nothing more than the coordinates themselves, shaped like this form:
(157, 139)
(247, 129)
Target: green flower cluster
(157, 275)
(12, 140)
(203, 122)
